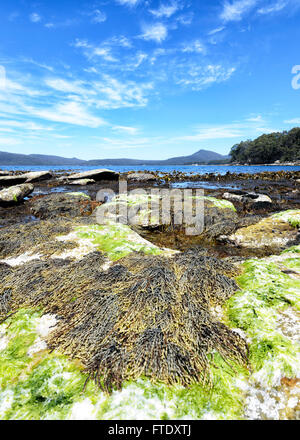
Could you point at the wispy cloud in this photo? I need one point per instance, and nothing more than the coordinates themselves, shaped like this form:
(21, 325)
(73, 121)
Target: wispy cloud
(274, 7)
(35, 17)
(91, 50)
(128, 2)
(70, 112)
(165, 10)
(235, 10)
(217, 30)
(124, 129)
(199, 77)
(157, 32)
(195, 46)
(293, 121)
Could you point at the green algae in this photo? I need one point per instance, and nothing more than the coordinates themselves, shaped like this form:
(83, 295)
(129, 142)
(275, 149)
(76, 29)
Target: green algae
(267, 290)
(117, 240)
(218, 203)
(292, 216)
(49, 386)
(35, 387)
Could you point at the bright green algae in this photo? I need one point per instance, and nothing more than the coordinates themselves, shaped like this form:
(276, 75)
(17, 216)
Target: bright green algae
(49, 386)
(266, 292)
(117, 240)
(292, 216)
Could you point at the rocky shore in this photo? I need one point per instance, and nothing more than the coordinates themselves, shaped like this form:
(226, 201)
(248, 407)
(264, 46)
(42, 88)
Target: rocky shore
(138, 320)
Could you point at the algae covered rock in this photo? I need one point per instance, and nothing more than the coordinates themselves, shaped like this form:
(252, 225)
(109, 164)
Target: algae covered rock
(15, 194)
(167, 211)
(276, 231)
(154, 321)
(62, 204)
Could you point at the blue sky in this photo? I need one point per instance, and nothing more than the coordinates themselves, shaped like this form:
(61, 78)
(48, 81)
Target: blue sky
(145, 78)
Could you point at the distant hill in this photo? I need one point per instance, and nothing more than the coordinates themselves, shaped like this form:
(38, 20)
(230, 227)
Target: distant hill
(12, 159)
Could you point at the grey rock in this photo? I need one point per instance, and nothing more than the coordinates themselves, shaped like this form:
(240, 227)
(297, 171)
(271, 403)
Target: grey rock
(82, 182)
(37, 176)
(100, 174)
(15, 194)
(12, 180)
(141, 177)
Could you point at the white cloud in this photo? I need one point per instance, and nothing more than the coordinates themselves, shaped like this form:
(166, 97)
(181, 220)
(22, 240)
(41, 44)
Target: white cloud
(34, 17)
(154, 32)
(199, 77)
(98, 16)
(217, 30)
(24, 125)
(91, 51)
(128, 2)
(125, 129)
(165, 10)
(275, 7)
(68, 112)
(235, 10)
(293, 121)
(194, 47)
(9, 141)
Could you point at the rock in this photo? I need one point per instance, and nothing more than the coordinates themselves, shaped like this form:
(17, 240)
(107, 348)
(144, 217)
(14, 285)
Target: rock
(15, 194)
(62, 204)
(101, 174)
(270, 232)
(82, 182)
(141, 177)
(143, 211)
(252, 200)
(4, 173)
(37, 176)
(12, 180)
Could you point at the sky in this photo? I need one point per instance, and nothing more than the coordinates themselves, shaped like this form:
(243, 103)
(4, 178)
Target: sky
(146, 79)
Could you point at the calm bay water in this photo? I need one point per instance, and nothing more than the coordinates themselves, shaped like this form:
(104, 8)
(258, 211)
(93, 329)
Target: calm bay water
(188, 169)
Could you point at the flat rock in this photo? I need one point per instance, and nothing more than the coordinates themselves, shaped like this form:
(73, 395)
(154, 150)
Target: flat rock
(270, 232)
(12, 180)
(100, 174)
(253, 200)
(62, 204)
(37, 176)
(15, 194)
(141, 177)
(83, 182)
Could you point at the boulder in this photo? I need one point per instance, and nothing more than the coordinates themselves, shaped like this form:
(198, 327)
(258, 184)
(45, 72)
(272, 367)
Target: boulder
(101, 174)
(37, 176)
(62, 204)
(12, 180)
(82, 182)
(15, 194)
(141, 177)
(4, 173)
(252, 200)
(271, 232)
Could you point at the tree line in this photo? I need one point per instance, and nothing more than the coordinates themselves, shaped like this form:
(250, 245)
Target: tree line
(268, 148)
